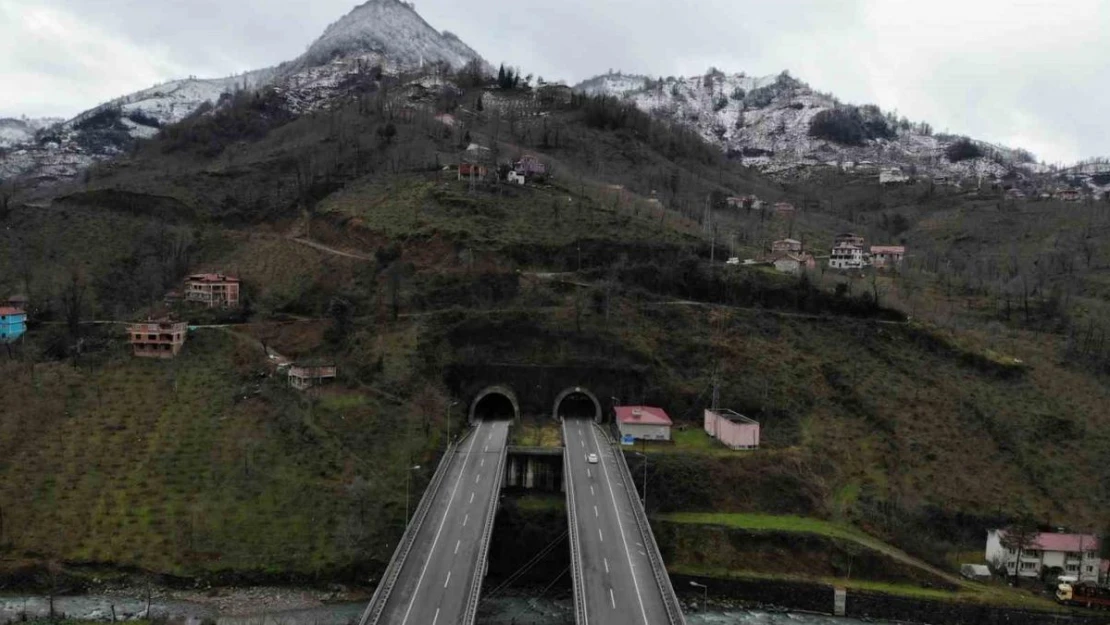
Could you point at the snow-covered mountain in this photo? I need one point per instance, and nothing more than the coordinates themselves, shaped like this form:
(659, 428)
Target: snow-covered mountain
(783, 127)
(386, 33)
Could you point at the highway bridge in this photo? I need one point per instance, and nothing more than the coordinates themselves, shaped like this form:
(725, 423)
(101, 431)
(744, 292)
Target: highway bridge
(435, 577)
(619, 578)
(437, 570)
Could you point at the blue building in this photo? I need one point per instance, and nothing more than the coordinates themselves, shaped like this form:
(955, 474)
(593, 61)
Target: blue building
(13, 323)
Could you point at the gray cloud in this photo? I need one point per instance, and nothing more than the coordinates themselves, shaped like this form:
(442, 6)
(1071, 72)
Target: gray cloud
(1029, 73)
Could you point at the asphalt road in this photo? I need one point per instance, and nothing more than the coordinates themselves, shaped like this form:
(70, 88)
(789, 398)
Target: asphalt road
(617, 579)
(435, 581)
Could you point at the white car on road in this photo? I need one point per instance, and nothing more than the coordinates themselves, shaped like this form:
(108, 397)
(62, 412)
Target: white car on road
(591, 458)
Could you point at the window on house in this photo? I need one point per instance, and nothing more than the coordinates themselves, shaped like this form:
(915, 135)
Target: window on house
(1091, 555)
(1028, 566)
(1011, 551)
(1090, 568)
(1010, 565)
(1072, 568)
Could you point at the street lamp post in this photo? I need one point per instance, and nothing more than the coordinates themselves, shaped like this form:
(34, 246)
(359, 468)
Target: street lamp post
(705, 593)
(408, 479)
(644, 489)
(449, 407)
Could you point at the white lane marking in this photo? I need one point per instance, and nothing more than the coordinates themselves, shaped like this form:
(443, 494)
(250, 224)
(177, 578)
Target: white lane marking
(471, 497)
(612, 600)
(620, 526)
(477, 478)
(436, 618)
(600, 535)
(583, 444)
(483, 463)
(592, 490)
(448, 580)
(457, 543)
(486, 448)
(606, 565)
(595, 512)
(465, 519)
(435, 541)
(588, 472)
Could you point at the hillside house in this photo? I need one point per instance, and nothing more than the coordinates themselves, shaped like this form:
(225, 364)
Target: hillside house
(18, 301)
(887, 256)
(161, 338)
(1015, 194)
(514, 178)
(794, 264)
(305, 376)
(732, 428)
(529, 166)
(472, 170)
(1060, 553)
(645, 423)
(893, 175)
(784, 246)
(849, 238)
(784, 209)
(214, 290)
(735, 202)
(848, 256)
(1069, 195)
(13, 323)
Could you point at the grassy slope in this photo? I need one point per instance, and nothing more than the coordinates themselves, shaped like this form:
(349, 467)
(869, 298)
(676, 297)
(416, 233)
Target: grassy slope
(759, 527)
(155, 464)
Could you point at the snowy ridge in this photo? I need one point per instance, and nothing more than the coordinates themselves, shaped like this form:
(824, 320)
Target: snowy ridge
(766, 122)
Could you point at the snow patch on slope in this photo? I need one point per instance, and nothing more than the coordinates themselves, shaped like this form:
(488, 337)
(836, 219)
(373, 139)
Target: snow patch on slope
(766, 122)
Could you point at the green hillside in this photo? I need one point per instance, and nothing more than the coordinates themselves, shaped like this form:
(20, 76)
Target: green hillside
(356, 245)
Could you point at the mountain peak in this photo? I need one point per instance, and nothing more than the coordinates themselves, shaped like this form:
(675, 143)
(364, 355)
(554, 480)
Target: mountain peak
(391, 32)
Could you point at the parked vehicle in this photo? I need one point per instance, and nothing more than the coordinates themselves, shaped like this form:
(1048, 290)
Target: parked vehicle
(1085, 595)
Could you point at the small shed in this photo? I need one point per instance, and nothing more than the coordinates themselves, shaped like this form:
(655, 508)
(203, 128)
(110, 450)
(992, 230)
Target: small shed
(646, 423)
(732, 428)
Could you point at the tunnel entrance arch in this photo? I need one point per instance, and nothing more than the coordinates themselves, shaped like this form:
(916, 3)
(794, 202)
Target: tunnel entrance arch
(576, 401)
(494, 403)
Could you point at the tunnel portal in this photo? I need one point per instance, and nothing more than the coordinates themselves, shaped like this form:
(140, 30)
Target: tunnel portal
(493, 404)
(577, 402)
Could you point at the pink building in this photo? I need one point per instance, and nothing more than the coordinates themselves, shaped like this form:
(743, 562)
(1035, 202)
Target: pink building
(643, 423)
(732, 428)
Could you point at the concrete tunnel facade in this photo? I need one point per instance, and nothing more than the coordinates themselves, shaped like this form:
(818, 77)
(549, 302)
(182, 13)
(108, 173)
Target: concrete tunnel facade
(497, 401)
(576, 401)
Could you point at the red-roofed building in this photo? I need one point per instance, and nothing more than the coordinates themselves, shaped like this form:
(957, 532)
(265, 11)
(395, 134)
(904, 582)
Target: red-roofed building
(1076, 555)
(212, 289)
(643, 423)
(884, 256)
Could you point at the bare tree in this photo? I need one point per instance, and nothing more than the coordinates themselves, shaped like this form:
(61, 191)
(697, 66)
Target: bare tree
(1020, 537)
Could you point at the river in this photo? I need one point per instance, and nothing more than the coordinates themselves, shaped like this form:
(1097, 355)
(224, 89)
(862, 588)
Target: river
(507, 611)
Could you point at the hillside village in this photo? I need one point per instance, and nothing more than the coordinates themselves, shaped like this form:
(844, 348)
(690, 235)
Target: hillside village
(237, 344)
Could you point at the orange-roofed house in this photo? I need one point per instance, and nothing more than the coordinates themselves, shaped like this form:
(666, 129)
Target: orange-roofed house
(214, 290)
(161, 338)
(646, 423)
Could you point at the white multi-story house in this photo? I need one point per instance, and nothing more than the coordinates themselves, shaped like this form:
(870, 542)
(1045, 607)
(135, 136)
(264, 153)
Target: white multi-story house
(848, 256)
(1075, 555)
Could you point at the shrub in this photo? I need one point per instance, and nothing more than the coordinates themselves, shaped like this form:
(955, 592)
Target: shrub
(850, 125)
(963, 149)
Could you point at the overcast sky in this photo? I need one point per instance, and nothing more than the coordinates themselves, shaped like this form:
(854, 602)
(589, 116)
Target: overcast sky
(1025, 73)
